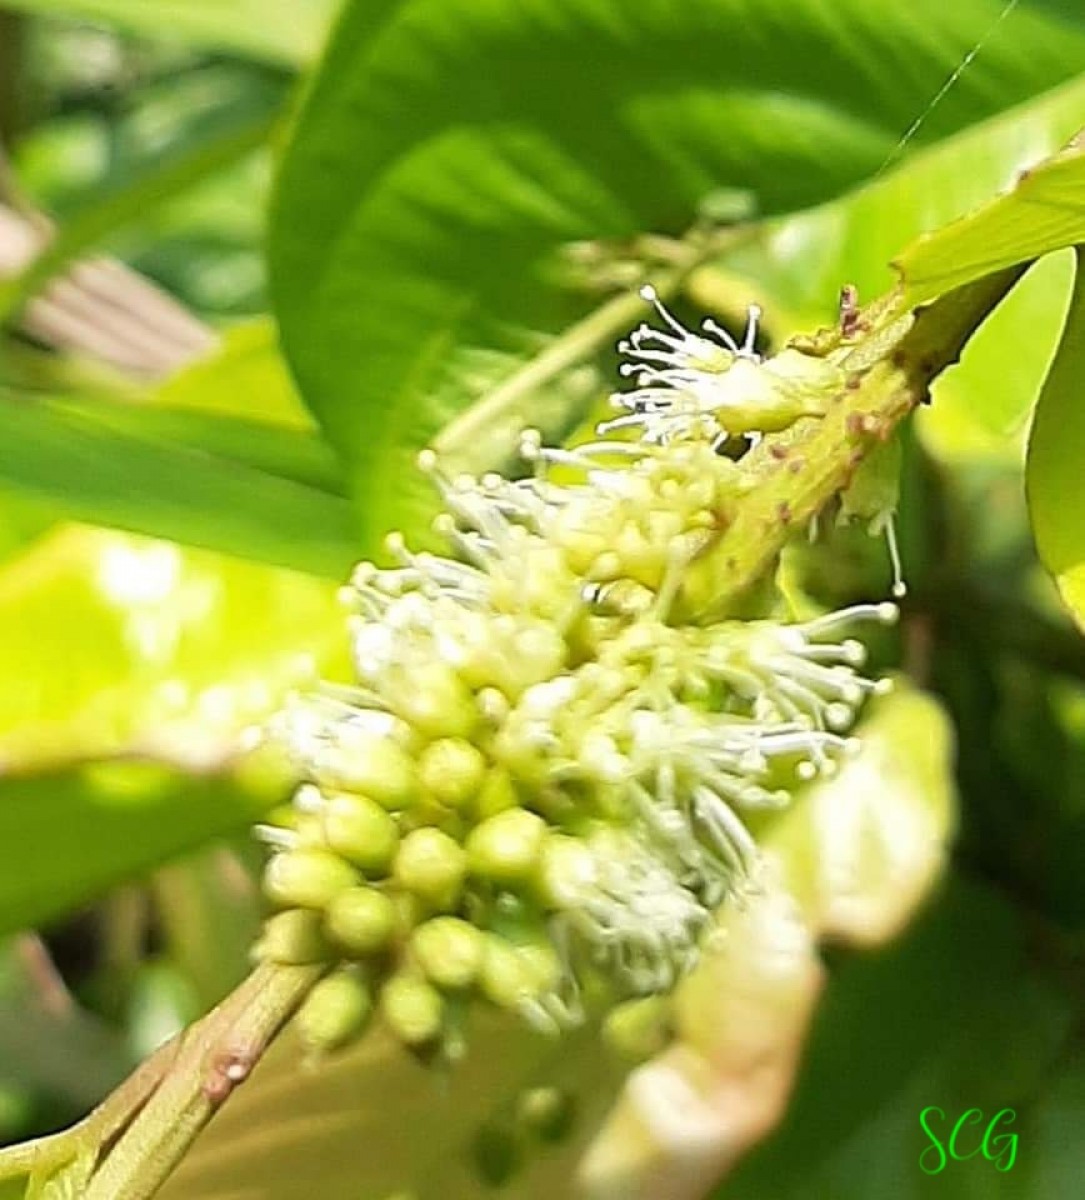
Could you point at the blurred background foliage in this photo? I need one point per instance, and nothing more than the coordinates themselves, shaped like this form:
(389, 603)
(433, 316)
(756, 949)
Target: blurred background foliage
(466, 194)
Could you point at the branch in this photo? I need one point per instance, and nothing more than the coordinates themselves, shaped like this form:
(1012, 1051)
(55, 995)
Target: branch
(149, 1123)
(800, 471)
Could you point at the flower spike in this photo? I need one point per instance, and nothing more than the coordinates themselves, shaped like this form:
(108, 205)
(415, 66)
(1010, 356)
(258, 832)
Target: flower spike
(544, 774)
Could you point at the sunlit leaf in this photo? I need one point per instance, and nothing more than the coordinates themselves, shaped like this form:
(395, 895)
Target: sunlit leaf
(115, 645)
(115, 649)
(94, 465)
(1055, 457)
(1043, 211)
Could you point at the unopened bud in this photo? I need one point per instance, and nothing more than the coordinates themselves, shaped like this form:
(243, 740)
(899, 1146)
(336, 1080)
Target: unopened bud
(306, 878)
(449, 951)
(361, 920)
(361, 831)
(506, 847)
(452, 771)
(412, 1008)
(293, 937)
(432, 865)
(334, 1012)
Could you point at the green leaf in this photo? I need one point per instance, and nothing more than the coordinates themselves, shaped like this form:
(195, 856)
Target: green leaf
(139, 648)
(1044, 211)
(1056, 493)
(246, 378)
(132, 670)
(241, 403)
(448, 151)
(107, 467)
(286, 32)
(957, 1014)
(272, 450)
(94, 827)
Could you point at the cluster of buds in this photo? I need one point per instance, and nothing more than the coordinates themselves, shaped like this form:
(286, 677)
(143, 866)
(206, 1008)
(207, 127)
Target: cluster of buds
(538, 789)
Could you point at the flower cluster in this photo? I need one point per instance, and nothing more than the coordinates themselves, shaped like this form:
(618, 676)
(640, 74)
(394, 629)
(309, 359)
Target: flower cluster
(537, 789)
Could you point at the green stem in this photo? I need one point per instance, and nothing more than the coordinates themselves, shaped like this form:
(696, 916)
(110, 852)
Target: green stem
(800, 471)
(146, 1126)
(211, 1059)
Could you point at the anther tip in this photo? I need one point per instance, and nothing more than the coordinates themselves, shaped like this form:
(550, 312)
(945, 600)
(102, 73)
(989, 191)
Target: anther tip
(530, 444)
(887, 612)
(900, 589)
(647, 292)
(427, 459)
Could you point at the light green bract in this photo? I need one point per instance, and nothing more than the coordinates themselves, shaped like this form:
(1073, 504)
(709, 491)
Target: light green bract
(539, 789)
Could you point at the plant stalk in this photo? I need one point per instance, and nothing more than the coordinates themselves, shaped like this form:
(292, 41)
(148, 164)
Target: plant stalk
(800, 471)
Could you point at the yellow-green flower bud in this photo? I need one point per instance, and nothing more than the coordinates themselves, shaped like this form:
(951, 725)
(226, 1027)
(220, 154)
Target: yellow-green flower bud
(306, 878)
(566, 872)
(432, 865)
(293, 937)
(334, 1012)
(514, 976)
(361, 920)
(374, 765)
(361, 831)
(412, 1008)
(452, 771)
(449, 951)
(496, 794)
(506, 847)
(435, 701)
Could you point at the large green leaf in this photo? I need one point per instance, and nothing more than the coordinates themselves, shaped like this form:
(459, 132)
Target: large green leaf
(288, 32)
(93, 827)
(115, 645)
(1056, 489)
(102, 465)
(448, 150)
(131, 672)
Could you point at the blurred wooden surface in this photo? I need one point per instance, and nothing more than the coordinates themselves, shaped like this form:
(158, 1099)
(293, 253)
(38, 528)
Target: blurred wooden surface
(99, 308)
